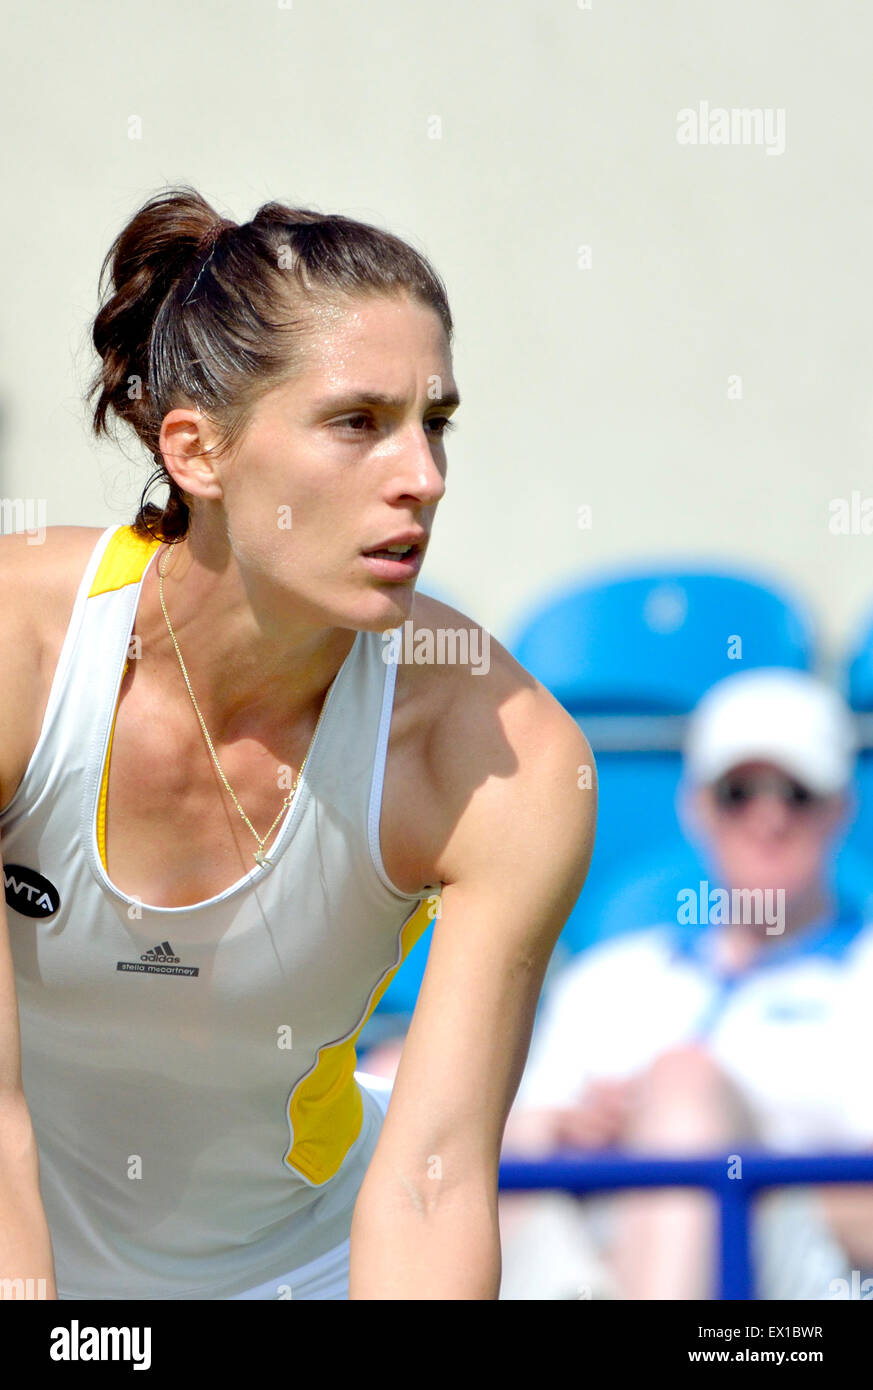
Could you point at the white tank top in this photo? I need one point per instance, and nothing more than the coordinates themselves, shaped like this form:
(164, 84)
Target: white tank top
(190, 1070)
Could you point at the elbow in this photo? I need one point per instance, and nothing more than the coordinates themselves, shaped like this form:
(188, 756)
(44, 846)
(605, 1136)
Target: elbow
(426, 1189)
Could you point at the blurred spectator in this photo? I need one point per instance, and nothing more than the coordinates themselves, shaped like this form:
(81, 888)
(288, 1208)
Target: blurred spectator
(721, 1031)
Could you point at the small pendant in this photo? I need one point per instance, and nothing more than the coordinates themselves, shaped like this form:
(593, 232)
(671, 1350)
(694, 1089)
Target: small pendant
(261, 858)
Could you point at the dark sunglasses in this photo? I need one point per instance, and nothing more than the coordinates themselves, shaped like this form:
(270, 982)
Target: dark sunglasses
(734, 792)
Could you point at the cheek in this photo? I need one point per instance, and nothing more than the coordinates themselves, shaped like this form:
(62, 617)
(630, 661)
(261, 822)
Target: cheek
(284, 518)
(311, 502)
(810, 846)
(795, 853)
(740, 843)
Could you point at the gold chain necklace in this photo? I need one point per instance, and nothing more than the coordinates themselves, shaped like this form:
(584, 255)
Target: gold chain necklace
(260, 858)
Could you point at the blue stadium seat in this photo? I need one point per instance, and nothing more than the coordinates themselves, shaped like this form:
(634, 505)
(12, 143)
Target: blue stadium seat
(858, 685)
(857, 688)
(652, 642)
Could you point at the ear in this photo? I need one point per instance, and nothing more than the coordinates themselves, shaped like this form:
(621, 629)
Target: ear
(691, 809)
(694, 811)
(843, 810)
(186, 442)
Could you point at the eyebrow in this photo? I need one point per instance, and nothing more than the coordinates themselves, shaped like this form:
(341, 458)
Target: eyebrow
(349, 399)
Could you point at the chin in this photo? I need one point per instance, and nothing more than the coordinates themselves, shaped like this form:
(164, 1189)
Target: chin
(380, 613)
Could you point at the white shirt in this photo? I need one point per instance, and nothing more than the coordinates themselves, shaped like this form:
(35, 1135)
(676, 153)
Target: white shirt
(190, 1071)
(788, 1030)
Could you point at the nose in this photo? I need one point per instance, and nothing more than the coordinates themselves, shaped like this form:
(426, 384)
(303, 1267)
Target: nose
(769, 816)
(418, 473)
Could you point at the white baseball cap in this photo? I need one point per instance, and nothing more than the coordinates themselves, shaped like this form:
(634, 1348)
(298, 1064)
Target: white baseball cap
(775, 715)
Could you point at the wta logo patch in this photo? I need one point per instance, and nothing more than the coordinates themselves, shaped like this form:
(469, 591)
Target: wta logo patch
(30, 893)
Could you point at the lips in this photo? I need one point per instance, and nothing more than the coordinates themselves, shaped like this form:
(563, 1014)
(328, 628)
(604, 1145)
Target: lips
(389, 565)
(399, 545)
(393, 554)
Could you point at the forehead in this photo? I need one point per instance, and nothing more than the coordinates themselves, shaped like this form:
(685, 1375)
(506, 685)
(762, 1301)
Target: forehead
(757, 766)
(387, 333)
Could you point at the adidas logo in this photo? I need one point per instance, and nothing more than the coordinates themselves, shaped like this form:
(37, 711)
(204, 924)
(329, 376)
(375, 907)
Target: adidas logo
(160, 960)
(163, 953)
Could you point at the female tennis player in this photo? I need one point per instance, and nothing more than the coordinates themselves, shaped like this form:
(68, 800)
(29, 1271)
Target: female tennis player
(231, 803)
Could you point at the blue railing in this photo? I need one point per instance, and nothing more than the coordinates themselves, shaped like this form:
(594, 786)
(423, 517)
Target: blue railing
(582, 1174)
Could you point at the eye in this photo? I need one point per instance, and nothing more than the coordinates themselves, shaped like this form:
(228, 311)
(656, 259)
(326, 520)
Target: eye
(358, 424)
(347, 423)
(731, 792)
(445, 425)
(799, 795)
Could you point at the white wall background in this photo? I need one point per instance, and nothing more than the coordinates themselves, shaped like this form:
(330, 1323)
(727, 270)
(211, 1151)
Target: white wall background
(606, 386)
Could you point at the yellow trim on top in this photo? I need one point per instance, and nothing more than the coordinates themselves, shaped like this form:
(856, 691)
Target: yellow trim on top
(123, 562)
(325, 1110)
(104, 788)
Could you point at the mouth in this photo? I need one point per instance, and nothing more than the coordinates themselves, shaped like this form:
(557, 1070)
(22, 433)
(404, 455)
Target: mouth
(395, 562)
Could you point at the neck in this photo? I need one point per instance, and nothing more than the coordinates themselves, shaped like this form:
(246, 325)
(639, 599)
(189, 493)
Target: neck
(249, 668)
(741, 942)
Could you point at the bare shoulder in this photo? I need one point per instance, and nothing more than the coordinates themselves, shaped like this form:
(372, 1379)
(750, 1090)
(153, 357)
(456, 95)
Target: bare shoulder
(480, 694)
(499, 745)
(38, 581)
(37, 570)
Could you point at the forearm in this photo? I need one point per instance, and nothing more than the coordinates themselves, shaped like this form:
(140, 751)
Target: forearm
(25, 1245)
(413, 1245)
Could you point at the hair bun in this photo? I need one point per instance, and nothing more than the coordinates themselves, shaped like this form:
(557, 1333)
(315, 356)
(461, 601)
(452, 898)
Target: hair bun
(213, 232)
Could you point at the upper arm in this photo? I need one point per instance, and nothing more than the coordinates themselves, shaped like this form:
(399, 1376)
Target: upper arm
(38, 584)
(18, 664)
(518, 842)
(10, 1042)
(36, 587)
